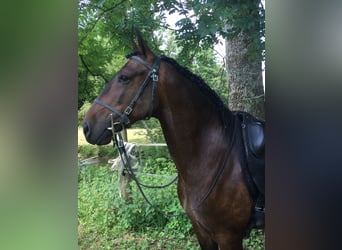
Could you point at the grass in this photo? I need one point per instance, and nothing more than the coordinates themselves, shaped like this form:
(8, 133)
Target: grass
(81, 139)
(106, 221)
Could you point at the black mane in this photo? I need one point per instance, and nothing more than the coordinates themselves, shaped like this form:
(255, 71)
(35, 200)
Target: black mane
(198, 81)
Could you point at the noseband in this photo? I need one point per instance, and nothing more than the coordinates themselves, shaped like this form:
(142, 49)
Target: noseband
(152, 75)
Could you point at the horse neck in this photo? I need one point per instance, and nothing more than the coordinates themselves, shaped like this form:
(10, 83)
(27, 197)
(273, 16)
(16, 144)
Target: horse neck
(192, 124)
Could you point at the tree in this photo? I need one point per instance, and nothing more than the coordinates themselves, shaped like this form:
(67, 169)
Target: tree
(104, 34)
(242, 24)
(244, 77)
(105, 28)
(244, 53)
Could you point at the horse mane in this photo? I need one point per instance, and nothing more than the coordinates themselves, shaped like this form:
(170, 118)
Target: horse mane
(203, 87)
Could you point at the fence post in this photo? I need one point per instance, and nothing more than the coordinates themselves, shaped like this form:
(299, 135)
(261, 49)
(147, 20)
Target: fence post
(124, 178)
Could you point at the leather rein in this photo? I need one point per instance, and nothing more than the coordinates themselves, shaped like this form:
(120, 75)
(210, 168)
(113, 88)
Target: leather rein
(124, 121)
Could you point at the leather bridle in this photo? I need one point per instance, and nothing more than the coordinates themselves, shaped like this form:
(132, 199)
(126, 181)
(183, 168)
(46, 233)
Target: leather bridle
(152, 75)
(124, 121)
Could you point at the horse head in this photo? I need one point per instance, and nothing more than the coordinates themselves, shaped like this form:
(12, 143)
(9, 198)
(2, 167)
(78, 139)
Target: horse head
(130, 96)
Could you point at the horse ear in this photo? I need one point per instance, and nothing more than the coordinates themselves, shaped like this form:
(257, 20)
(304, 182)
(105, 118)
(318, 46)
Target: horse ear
(141, 46)
(134, 44)
(141, 43)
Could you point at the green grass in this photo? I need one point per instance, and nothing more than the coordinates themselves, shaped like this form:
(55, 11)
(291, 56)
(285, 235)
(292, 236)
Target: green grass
(106, 221)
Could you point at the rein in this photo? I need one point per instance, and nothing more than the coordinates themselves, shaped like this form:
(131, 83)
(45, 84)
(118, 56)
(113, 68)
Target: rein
(124, 120)
(119, 142)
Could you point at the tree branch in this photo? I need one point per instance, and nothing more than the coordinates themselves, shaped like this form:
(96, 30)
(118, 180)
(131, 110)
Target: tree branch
(104, 11)
(90, 71)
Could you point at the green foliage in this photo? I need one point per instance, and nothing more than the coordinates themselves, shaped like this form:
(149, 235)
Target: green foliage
(202, 61)
(256, 240)
(105, 30)
(106, 221)
(152, 129)
(82, 112)
(104, 33)
(205, 65)
(203, 21)
(87, 151)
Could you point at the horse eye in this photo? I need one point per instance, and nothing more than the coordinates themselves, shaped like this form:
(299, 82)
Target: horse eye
(123, 79)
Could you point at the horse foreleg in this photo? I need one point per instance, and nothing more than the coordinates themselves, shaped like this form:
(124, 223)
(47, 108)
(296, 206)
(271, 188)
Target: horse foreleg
(204, 239)
(230, 242)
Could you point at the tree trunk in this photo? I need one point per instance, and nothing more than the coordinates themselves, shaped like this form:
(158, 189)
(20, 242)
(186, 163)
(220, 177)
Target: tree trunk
(245, 85)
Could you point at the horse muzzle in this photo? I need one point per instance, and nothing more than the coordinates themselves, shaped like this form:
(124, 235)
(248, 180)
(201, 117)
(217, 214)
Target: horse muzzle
(94, 136)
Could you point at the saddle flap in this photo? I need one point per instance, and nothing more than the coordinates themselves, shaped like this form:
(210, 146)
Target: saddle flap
(253, 133)
(255, 137)
(253, 149)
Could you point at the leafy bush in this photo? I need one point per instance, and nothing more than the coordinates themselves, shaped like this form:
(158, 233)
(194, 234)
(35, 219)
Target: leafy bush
(152, 129)
(107, 221)
(105, 152)
(104, 217)
(255, 241)
(82, 112)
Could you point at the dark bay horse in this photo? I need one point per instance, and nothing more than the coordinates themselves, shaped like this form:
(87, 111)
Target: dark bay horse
(200, 133)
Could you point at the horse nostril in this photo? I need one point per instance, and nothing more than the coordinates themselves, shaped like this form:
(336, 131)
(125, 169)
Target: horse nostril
(86, 129)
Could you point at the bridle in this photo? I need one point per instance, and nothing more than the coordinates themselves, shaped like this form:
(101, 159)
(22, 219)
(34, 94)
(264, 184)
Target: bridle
(152, 75)
(124, 121)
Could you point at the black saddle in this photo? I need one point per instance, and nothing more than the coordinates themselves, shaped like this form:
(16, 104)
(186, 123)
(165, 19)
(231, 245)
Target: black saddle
(253, 138)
